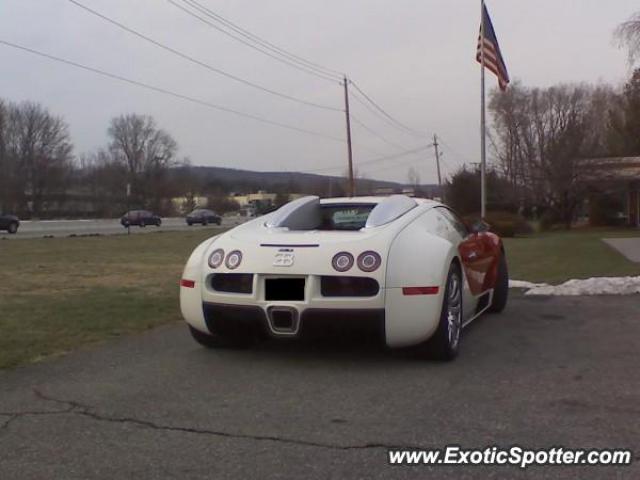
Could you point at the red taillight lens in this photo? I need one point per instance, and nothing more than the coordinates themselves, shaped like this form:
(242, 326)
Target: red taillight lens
(216, 258)
(342, 261)
(233, 259)
(420, 290)
(187, 283)
(369, 261)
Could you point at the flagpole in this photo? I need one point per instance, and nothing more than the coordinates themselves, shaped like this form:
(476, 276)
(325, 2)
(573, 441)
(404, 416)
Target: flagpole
(483, 127)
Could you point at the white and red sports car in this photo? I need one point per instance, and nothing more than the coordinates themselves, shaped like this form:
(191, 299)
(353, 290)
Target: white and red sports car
(408, 269)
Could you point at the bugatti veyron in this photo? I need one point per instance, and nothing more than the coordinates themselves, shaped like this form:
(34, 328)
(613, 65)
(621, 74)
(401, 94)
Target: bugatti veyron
(406, 269)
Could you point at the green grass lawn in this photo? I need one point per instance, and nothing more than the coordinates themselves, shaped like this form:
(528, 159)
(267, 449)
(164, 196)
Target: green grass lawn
(555, 257)
(57, 294)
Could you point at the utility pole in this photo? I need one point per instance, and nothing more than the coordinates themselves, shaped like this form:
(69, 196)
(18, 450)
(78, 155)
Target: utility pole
(352, 185)
(435, 145)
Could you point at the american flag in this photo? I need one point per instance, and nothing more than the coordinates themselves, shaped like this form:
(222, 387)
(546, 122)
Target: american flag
(492, 56)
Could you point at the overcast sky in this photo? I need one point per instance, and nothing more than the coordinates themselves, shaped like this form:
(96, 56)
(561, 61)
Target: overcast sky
(414, 57)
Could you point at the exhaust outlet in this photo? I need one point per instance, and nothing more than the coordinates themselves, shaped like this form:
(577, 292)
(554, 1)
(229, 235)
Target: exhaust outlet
(283, 321)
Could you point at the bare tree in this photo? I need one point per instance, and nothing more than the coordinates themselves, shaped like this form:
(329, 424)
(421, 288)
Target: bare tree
(4, 160)
(628, 36)
(624, 120)
(104, 181)
(147, 152)
(39, 147)
(539, 135)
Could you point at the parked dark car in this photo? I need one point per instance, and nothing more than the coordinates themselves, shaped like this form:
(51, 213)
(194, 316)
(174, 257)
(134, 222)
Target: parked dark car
(204, 217)
(10, 223)
(141, 218)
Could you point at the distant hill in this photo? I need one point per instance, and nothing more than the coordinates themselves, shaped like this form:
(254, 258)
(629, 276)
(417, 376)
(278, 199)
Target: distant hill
(245, 181)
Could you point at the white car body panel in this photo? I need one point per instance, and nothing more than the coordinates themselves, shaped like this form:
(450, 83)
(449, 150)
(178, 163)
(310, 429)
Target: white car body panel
(417, 250)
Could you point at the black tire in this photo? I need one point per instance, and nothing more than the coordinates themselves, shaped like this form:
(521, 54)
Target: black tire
(158, 223)
(501, 290)
(190, 224)
(445, 343)
(211, 340)
(204, 222)
(12, 228)
(142, 224)
(218, 222)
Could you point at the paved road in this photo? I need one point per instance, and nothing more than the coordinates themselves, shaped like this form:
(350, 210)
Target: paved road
(547, 372)
(65, 228)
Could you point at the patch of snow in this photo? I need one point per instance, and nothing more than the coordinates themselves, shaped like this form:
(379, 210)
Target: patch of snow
(589, 286)
(524, 284)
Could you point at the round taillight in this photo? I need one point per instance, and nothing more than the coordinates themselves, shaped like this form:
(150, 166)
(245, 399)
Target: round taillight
(369, 261)
(216, 258)
(233, 259)
(342, 261)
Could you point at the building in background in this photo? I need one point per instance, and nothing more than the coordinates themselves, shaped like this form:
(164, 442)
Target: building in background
(253, 199)
(613, 189)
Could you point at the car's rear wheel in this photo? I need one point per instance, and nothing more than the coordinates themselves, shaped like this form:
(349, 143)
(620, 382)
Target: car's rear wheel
(212, 340)
(158, 222)
(142, 224)
(12, 228)
(501, 289)
(204, 222)
(445, 342)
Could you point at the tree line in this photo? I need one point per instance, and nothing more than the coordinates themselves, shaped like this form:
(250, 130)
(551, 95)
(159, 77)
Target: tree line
(139, 167)
(36, 155)
(541, 135)
(538, 139)
(39, 172)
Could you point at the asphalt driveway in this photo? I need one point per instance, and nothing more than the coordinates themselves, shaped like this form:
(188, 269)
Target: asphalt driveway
(548, 372)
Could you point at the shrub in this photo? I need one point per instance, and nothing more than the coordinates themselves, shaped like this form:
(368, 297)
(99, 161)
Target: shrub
(462, 192)
(549, 220)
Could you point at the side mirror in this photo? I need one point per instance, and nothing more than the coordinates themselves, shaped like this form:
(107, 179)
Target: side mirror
(479, 227)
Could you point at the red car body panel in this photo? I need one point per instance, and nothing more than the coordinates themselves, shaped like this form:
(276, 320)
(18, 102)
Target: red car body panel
(480, 255)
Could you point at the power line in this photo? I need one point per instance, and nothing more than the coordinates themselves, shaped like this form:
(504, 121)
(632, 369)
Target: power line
(199, 62)
(378, 115)
(376, 134)
(253, 37)
(410, 163)
(449, 168)
(262, 50)
(395, 156)
(250, 39)
(454, 151)
(397, 123)
(384, 112)
(171, 93)
(374, 160)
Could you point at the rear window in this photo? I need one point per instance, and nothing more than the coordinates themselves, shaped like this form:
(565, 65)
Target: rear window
(345, 217)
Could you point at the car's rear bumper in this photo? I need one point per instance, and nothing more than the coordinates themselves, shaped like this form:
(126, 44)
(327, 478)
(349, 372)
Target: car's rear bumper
(401, 320)
(311, 322)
